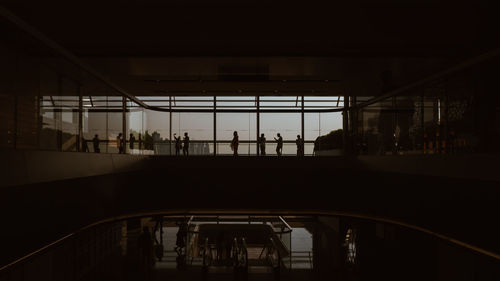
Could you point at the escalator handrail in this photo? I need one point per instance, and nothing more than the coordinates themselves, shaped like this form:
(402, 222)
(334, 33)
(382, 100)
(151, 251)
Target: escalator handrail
(245, 248)
(275, 247)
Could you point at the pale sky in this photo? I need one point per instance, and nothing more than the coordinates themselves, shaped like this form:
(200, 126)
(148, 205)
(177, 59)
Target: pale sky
(200, 125)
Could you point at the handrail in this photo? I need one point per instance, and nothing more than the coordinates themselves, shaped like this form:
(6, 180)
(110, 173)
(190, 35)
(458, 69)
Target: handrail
(189, 221)
(245, 248)
(275, 247)
(206, 249)
(235, 250)
(286, 224)
(167, 142)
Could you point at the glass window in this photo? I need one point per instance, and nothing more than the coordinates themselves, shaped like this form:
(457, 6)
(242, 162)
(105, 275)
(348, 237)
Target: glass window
(199, 127)
(323, 102)
(241, 103)
(288, 125)
(49, 111)
(246, 126)
(68, 106)
(278, 102)
(135, 129)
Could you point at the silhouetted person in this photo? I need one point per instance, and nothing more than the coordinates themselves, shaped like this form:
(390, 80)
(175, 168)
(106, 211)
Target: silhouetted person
(85, 147)
(300, 146)
(131, 141)
(185, 145)
(235, 143)
(262, 144)
(119, 143)
(279, 145)
(95, 142)
(146, 251)
(180, 244)
(178, 145)
(185, 148)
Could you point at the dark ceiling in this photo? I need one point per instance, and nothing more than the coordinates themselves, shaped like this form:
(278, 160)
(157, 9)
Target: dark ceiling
(258, 28)
(352, 42)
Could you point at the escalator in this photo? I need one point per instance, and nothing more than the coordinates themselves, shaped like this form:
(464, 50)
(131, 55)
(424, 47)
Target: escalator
(238, 250)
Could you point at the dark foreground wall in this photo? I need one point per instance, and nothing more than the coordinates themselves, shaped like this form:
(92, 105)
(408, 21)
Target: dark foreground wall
(20, 167)
(35, 214)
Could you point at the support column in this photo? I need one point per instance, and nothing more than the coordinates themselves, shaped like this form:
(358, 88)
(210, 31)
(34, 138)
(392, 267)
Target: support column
(394, 125)
(124, 123)
(80, 120)
(327, 249)
(16, 118)
(258, 124)
(170, 124)
(354, 126)
(58, 115)
(302, 132)
(215, 126)
(345, 125)
(39, 120)
(422, 125)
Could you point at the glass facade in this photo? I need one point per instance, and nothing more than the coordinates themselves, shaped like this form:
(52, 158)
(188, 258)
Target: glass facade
(48, 103)
(444, 117)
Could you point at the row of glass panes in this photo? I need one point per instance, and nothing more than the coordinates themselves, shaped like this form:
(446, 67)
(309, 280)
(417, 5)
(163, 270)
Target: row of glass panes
(183, 102)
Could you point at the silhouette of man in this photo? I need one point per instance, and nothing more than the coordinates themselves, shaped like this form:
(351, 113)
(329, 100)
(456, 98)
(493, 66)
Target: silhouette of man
(235, 143)
(185, 149)
(85, 147)
(300, 146)
(95, 142)
(119, 143)
(131, 141)
(178, 145)
(262, 144)
(279, 145)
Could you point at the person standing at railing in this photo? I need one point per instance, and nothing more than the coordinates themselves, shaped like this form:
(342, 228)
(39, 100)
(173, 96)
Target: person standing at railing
(185, 149)
(178, 145)
(119, 143)
(131, 142)
(95, 142)
(235, 143)
(262, 144)
(279, 145)
(300, 146)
